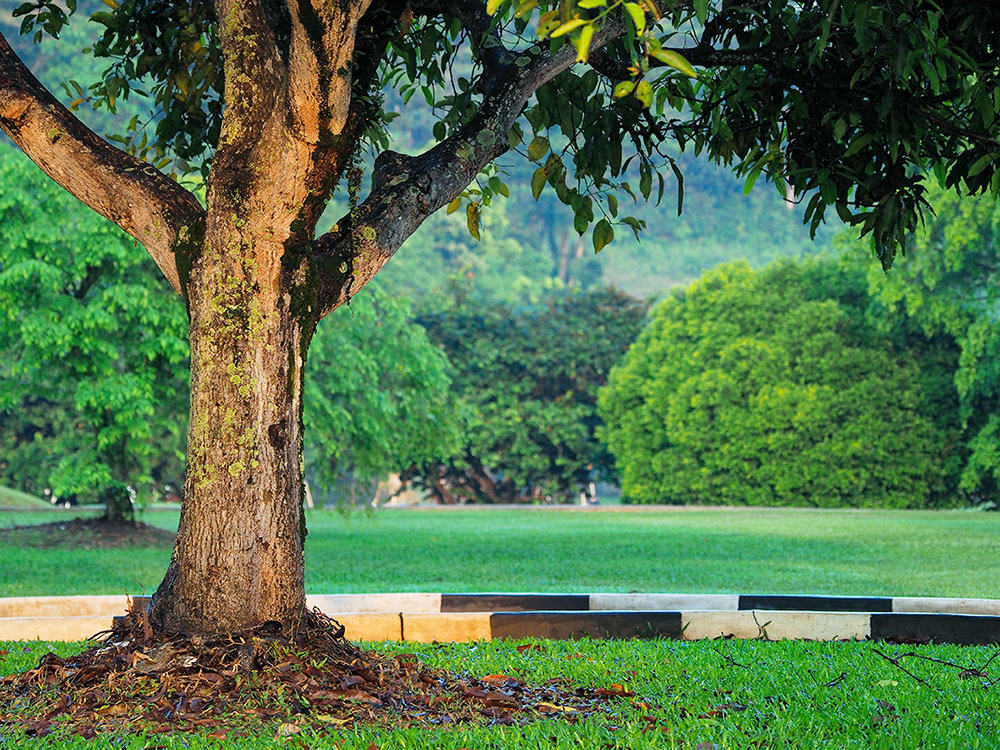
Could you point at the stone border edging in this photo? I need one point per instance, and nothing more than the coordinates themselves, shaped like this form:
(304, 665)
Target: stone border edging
(426, 617)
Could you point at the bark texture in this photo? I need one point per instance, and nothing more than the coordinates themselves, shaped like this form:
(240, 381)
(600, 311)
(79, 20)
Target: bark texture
(237, 561)
(251, 290)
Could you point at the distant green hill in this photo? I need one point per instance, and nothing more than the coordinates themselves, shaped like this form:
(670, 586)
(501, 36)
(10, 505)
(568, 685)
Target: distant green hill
(14, 499)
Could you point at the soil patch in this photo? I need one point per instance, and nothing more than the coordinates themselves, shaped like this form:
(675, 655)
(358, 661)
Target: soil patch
(86, 533)
(310, 680)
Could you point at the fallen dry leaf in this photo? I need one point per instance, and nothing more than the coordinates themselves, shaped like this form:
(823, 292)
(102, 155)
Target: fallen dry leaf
(552, 707)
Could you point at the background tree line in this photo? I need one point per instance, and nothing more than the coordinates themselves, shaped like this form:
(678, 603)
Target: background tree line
(815, 382)
(891, 378)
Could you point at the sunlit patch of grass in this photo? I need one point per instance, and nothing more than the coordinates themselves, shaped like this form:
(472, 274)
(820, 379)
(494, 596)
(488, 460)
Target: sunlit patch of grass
(871, 553)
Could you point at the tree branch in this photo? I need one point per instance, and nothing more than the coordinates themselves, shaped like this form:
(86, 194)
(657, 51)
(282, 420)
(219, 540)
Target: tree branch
(322, 47)
(484, 33)
(407, 190)
(252, 67)
(144, 202)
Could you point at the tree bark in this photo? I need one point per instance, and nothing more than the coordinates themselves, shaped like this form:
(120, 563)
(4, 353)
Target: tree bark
(238, 558)
(118, 505)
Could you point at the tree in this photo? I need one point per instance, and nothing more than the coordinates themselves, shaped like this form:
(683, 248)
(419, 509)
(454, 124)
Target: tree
(94, 351)
(947, 286)
(527, 379)
(767, 388)
(378, 395)
(851, 103)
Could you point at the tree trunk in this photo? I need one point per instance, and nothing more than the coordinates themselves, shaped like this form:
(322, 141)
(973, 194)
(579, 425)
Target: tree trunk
(118, 504)
(237, 560)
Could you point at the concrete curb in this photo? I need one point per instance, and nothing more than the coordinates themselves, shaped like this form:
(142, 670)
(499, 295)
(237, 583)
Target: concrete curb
(427, 617)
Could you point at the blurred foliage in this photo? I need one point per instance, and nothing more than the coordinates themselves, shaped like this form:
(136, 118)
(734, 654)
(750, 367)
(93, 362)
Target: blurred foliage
(378, 396)
(94, 363)
(855, 104)
(774, 388)
(94, 349)
(948, 285)
(527, 379)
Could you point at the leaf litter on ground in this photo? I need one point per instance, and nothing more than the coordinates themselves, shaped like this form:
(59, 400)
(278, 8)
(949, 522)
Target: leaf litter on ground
(268, 680)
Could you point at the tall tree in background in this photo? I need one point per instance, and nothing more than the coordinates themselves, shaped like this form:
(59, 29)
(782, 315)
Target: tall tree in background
(773, 388)
(93, 351)
(949, 286)
(378, 396)
(527, 378)
(851, 102)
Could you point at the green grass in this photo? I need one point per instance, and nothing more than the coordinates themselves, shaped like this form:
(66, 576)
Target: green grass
(794, 694)
(780, 695)
(908, 553)
(10, 498)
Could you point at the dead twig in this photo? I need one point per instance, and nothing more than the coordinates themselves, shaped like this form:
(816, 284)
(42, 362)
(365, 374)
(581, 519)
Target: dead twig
(895, 663)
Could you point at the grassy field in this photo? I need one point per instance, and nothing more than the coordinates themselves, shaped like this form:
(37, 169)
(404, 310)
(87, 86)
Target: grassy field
(10, 498)
(709, 694)
(718, 695)
(699, 551)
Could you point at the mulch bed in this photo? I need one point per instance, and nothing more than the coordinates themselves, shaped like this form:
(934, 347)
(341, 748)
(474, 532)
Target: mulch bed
(86, 533)
(267, 680)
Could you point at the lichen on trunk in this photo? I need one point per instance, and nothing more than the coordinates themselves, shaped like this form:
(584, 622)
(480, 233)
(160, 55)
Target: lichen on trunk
(238, 558)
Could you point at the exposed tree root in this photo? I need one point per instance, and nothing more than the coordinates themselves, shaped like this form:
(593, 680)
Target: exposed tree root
(312, 678)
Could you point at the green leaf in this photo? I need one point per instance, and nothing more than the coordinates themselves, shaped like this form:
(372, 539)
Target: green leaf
(623, 89)
(590, 4)
(644, 93)
(674, 60)
(636, 225)
(538, 181)
(701, 10)
(604, 233)
(516, 136)
(538, 147)
(525, 8)
(492, 6)
(981, 164)
(583, 42)
(564, 28)
(638, 16)
(455, 205)
(645, 181)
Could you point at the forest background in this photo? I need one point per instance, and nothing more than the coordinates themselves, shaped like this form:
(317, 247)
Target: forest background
(492, 355)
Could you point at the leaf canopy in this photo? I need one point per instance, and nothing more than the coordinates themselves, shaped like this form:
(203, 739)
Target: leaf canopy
(854, 104)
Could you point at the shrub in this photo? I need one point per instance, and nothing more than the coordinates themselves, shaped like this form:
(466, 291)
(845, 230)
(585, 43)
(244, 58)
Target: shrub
(770, 388)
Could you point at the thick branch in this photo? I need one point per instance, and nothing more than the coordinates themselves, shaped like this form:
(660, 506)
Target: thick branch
(323, 39)
(407, 190)
(147, 204)
(253, 71)
(485, 35)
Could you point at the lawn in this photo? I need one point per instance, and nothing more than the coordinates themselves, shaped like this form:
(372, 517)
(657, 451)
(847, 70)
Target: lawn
(905, 553)
(708, 694)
